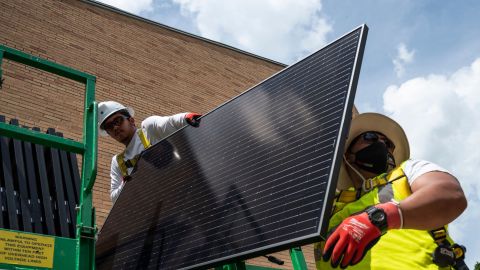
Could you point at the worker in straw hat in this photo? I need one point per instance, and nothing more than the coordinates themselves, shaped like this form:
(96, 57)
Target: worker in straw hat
(390, 212)
(116, 120)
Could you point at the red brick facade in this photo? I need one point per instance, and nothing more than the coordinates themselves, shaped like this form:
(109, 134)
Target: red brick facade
(151, 68)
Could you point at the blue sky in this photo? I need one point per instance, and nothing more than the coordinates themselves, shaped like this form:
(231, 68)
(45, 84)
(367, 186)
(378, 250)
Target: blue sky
(421, 66)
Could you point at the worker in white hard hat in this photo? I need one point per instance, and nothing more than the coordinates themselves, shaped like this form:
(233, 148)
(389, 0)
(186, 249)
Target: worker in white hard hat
(390, 212)
(116, 120)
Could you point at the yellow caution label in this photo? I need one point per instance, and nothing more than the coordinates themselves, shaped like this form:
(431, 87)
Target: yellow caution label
(26, 249)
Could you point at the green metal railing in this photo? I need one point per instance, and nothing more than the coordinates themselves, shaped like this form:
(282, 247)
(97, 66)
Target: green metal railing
(86, 229)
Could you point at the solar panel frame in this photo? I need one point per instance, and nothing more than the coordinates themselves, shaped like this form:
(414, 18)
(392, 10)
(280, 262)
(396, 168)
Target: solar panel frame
(345, 124)
(331, 183)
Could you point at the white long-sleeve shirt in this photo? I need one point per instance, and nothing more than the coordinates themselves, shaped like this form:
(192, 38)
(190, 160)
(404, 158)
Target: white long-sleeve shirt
(155, 128)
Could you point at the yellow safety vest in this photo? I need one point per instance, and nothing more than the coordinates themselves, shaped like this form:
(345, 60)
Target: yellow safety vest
(125, 164)
(397, 249)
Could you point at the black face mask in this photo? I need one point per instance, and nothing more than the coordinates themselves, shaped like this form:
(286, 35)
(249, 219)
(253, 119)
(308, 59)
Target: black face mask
(375, 158)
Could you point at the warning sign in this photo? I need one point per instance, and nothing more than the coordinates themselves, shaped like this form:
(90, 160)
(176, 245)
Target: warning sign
(26, 249)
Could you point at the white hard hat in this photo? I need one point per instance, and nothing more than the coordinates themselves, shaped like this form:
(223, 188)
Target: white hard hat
(107, 108)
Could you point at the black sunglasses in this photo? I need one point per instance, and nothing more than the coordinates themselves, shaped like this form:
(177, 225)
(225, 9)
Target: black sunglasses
(371, 136)
(117, 121)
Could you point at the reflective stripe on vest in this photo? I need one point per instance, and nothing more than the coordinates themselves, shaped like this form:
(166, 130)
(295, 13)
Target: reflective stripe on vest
(397, 249)
(125, 164)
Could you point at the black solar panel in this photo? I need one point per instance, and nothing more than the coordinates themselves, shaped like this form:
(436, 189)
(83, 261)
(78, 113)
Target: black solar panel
(255, 177)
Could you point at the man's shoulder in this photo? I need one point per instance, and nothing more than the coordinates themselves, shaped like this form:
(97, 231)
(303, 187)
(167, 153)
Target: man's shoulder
(414, 168)
(151, 120)
(413, 163)
(156, 121)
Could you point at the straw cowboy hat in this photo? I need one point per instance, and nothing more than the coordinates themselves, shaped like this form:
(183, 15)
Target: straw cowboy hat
(380, 123)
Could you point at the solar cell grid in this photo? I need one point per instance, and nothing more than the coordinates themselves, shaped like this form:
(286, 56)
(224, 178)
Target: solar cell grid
(253, 178)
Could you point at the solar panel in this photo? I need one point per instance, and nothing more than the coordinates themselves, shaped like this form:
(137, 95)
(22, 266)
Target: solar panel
(257, 176)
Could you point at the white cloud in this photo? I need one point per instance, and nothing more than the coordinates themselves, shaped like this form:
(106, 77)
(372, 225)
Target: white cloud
(132, 6)
(440, 115)
(274, 29)
(404, 56)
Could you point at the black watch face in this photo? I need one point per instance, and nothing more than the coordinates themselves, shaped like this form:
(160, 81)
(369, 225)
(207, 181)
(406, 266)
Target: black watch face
(378, 216)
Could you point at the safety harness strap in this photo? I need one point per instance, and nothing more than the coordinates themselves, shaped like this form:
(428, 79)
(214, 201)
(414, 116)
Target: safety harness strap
(439, 235)
(143, 138)
(125, 164)
(122, 165)
(351, 195)
(447, 254)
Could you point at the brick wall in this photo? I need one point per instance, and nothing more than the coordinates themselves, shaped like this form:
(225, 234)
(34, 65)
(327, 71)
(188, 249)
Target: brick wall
(145, 66)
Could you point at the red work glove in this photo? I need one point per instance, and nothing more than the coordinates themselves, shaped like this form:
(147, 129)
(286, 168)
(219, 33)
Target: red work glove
(351, 240)
(193, 119)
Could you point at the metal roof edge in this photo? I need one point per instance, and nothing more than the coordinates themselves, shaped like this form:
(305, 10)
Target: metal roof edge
(125, 13)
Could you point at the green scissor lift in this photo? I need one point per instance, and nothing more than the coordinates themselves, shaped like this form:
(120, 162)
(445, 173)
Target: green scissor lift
(53, 251)
(74, 253)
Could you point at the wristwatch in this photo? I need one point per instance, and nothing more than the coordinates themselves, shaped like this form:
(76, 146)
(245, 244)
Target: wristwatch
(378, 218)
